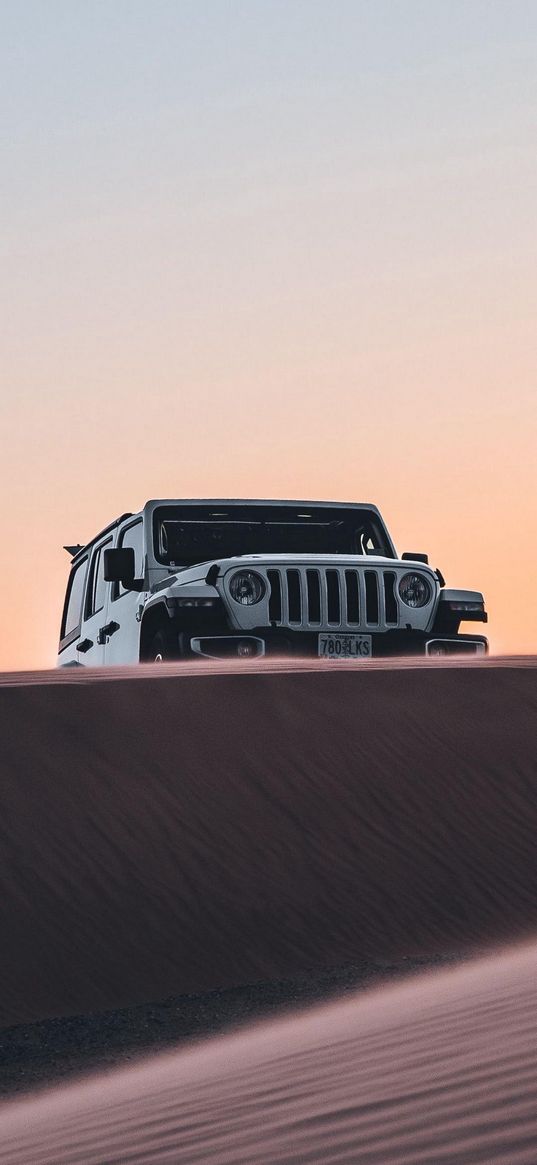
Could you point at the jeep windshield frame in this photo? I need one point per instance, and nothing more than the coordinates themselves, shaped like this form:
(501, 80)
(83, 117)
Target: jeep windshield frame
(185, 535)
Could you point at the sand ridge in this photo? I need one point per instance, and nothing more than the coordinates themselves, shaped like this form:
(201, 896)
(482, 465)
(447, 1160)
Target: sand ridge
(440, 1070)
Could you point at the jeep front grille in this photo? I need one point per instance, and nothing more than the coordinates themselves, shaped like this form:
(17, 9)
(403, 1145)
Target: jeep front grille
(314, 597)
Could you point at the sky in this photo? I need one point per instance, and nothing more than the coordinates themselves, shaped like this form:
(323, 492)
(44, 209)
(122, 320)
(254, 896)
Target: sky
(269, 248)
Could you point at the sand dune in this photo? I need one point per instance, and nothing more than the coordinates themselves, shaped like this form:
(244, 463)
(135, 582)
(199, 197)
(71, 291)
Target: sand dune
(175, 834)
(166, 831)
(441, 1070)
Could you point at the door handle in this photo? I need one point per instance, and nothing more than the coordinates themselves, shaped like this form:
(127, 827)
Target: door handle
(106, 631)
(84, 645)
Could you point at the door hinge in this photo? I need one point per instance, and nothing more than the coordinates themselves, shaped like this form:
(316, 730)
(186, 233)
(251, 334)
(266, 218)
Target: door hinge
(84, 645)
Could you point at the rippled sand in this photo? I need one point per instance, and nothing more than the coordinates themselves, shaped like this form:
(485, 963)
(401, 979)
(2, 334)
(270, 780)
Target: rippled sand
(167, 832)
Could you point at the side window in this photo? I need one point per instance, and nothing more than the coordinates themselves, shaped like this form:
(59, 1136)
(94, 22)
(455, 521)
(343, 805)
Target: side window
(96, 593)
(132, 536)
(73, 607)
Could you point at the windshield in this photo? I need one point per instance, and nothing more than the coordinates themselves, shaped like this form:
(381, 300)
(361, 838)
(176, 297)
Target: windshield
(186, 535)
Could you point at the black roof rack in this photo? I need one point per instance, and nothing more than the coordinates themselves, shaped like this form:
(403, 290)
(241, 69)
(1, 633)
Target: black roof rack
(112, 526)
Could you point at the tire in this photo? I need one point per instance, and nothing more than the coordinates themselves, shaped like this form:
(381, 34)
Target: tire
(161, 648)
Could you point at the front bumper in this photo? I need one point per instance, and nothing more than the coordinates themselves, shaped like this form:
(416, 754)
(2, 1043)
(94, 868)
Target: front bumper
(263, 641)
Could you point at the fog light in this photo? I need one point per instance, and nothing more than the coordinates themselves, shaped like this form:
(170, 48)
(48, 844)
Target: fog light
(437, 649)
(244, 648)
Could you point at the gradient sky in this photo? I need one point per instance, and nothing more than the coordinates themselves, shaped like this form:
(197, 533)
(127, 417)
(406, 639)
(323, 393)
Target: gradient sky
(275, 248)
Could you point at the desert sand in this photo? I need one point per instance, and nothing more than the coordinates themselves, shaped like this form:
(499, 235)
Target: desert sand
(440, 1070)
(166, 832)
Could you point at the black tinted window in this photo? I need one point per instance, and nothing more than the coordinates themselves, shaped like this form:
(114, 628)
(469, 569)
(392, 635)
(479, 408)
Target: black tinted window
(133, 537)
(97, 587)
(73, 610)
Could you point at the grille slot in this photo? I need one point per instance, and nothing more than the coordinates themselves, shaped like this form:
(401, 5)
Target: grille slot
(353, 596)
(333, 599)
(275, 597)
(294, 597)
(390, 601)
(371, 597)
(314, 596)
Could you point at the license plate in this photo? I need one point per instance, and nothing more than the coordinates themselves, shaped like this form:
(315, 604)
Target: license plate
(338, 647)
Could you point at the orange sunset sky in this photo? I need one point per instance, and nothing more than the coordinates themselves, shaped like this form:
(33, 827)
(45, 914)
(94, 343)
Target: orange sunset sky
(270, 249)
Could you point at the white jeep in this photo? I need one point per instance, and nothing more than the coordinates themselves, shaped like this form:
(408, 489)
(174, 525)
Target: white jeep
(217, 579)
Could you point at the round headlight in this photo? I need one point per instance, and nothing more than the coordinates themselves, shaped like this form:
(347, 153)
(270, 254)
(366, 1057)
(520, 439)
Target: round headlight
(247, 587)
(415, 590)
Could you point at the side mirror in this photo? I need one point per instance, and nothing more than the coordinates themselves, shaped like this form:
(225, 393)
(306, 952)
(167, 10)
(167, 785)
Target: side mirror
(119, 566)
(413, 556)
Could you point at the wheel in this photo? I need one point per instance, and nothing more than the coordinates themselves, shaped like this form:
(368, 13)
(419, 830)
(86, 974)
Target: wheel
(161, 648)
